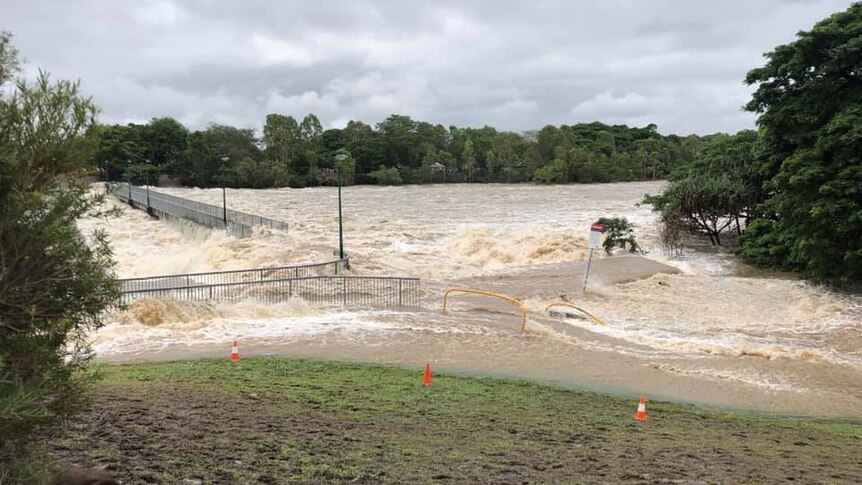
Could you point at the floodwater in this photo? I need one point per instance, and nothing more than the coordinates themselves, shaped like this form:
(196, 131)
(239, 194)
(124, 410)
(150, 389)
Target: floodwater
(710, 333)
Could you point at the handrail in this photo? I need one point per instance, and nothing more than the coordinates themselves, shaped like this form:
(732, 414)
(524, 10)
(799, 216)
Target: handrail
(235, 271)
(510, 299)
(331, 289)
(569, 305)
(199, 212)
(280, 280)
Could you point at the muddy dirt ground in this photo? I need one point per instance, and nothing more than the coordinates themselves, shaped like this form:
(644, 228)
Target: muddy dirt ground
(280, 421)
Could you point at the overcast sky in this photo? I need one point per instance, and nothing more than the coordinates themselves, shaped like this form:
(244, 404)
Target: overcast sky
(516, 65)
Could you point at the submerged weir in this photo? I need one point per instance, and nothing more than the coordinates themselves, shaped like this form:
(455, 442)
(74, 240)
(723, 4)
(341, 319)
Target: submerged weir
(701, 331)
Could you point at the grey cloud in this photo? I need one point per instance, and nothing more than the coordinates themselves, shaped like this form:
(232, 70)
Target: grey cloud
(514, 65)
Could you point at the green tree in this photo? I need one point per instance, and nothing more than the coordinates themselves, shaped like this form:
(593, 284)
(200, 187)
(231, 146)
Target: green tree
(701, 202)
(713, 192)
(365, 144)
(258, 174)
(619, 232)
(386, 176)
(809, 98)
(469, 158)
(556, 172)
(400, 141)
(282, 140)
(142, 173)
(119, 147)
(606, 143)
(508, 154)
(164, 140)
(8, 58)
(731, 157)
(310, 132)
(55, 282)
(211, 155)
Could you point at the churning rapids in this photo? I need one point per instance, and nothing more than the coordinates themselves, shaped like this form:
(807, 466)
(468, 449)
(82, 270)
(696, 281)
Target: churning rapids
(714, 332)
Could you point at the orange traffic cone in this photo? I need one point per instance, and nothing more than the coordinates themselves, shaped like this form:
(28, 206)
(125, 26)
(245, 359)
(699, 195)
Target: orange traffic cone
(426, 379)
(234, 351)
(641, 414)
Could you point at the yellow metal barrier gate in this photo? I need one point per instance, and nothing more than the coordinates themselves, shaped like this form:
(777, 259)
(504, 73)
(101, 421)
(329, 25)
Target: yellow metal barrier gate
(569, 305)
(509, 299)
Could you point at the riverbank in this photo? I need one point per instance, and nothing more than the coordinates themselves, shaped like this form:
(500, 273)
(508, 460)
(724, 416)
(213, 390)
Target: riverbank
(275, 420)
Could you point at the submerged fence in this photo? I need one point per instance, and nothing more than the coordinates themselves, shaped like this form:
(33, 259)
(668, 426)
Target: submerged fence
(319, 283)
(390, 291)
(237, 223)
(132, 285)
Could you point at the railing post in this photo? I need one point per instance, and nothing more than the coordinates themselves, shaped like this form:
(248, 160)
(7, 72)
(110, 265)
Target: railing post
(399, 292)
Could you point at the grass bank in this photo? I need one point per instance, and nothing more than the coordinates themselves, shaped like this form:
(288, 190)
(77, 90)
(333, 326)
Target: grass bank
(273, 420)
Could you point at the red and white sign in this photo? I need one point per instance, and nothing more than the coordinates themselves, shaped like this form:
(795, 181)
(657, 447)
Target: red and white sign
(596, 235)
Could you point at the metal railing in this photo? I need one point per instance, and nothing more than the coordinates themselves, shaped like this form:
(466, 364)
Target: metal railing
(238, 223)
(234, 276)
(317, 283)
(509, 299)
(390, 291)
(572, 306)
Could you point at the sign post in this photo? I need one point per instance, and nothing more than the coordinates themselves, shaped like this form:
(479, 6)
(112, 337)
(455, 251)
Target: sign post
(595, 238)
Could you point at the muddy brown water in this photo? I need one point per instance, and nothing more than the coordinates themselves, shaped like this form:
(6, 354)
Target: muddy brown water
(707, 331)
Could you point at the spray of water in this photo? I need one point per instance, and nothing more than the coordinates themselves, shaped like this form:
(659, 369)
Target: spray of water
(706, 324)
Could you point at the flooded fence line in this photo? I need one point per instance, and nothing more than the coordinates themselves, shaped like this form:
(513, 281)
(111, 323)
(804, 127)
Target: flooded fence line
(335, 267)
(237, 223)
(343, 290)
(318, 283)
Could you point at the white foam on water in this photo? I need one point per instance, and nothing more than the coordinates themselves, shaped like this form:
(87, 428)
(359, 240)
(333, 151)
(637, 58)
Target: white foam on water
(224, 324)
(753, 379)
(769, 328)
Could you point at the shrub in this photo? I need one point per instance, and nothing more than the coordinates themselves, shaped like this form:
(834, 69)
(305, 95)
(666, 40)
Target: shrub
(55, 282)
(619, 232)
(386, 176)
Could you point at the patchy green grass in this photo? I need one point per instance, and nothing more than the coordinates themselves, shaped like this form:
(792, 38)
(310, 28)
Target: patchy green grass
(273, 420)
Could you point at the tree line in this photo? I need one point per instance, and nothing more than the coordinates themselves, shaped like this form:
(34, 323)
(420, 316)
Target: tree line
(394, 151)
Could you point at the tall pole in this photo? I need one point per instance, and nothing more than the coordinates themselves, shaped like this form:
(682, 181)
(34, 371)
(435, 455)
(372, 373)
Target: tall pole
(340, 225)
(148, 189)
(224, 201)
(224, 160)
(338, 159)
(587, 273)
(129, 180)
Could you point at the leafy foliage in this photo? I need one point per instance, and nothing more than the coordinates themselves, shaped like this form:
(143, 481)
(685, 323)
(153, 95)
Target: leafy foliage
(8, 58)
(718, 189)
(54, 281)
(386, 176)
(619, 232)
(302, 153)
(809, 97)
